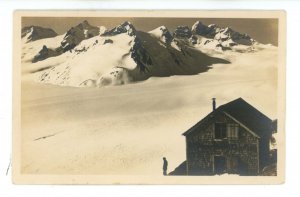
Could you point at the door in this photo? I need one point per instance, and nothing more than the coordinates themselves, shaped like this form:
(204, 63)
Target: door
(233, 165)
(219, 164)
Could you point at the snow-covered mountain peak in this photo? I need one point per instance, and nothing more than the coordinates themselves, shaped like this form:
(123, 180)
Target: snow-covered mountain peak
(125, 27)
(212, 26)
(32, 33)
(198, 27)
(228, 34)
(207, 31)
(84, 25)
(227, 29)
(163, 28)
(127, 24)
(162, 33)
(195, 25)
(220, 38)
(78, 33)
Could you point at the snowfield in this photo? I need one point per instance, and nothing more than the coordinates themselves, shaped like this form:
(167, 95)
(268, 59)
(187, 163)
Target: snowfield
(139, 96)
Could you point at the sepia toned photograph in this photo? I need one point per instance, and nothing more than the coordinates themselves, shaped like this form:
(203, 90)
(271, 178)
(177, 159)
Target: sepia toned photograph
(149, 97)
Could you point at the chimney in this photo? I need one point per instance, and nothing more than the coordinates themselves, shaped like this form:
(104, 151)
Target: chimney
(214, 104)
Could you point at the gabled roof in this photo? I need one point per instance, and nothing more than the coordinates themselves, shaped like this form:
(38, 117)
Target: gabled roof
(244, 113)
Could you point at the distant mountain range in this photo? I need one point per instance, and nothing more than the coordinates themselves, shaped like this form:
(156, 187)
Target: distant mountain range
(88, 55)
(33, 33)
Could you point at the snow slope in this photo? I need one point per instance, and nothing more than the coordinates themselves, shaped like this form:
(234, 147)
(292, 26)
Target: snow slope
(90, 61)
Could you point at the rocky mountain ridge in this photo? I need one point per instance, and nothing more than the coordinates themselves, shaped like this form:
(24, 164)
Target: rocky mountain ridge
(94, 56)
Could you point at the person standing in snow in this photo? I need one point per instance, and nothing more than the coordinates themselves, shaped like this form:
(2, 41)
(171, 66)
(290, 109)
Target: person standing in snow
(165, 166)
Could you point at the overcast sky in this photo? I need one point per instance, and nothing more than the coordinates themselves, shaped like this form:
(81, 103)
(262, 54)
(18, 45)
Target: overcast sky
(262, 30)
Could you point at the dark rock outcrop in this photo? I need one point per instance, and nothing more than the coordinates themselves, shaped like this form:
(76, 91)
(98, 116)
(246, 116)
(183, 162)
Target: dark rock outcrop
(108, 41)
(140, 55)
(182, 32)
(45, 53)
(166, 35)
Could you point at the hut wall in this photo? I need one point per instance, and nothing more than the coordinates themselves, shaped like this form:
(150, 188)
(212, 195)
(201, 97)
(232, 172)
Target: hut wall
(241, 154)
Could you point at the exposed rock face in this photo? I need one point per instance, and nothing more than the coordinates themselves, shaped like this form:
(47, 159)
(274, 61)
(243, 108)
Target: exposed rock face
(76, 34)
(140, 55)
(182, 32)
(125, 27)
(166, 35)
(35, 33)
(193, 39)
(45, 53)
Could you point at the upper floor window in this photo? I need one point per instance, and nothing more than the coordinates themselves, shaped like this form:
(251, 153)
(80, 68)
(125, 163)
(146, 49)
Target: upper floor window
(233, 131)
(220, 130)
(223, 130)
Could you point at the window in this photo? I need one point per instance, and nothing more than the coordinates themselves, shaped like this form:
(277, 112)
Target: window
(220, 130)
(223, 130)
(233, 131)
